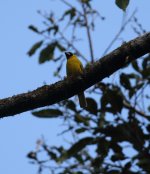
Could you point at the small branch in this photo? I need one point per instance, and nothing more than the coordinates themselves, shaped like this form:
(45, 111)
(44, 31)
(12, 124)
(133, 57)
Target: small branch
(51, 94)
(88, 33)
(70, 5)
(75, 49)
(127, 105)
(69, 43)
(119, 32)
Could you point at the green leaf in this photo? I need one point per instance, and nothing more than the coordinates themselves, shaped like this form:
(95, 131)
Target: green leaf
(77, 147)
(91, 106)
(146, 62)
(33, 28)
(48, 113)
(113, 97)
(34, 48)
(80, 130)
(32, 155)
(60, 47)
(136, 66)
(71, 12)
(81, 119)
(122, 4)
(47, 53)
(54, 28)
(124, 80)
(71, 105)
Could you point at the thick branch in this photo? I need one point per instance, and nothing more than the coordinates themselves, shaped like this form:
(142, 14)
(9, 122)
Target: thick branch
(104, 67)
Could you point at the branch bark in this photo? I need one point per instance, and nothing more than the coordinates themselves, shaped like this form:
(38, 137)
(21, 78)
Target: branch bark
(51, 94)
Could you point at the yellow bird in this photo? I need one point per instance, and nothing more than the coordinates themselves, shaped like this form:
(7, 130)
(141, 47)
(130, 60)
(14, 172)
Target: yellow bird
(74, 68)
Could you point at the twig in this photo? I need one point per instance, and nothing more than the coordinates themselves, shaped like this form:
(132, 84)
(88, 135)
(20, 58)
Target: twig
(88, 33)
(119, 32)
(70, 5)
(70, 44)
(127, 105)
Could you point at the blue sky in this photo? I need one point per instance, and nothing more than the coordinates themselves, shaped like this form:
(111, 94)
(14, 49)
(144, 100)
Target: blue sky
(19, 73)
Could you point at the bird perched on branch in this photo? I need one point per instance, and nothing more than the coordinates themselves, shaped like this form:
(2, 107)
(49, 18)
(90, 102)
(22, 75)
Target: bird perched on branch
(74, 68)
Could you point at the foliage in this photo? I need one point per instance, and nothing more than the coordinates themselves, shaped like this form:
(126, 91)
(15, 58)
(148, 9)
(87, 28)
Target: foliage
(122, 4)
(112, 135)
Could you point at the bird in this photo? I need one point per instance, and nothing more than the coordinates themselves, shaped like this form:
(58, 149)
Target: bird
(74, 68)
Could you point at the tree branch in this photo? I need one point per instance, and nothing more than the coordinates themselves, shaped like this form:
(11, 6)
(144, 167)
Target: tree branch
(51, 94)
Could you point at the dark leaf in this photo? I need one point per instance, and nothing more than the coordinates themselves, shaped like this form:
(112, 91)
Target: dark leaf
(117, 157)
(33, 28)
(116, 148)
(146, 72)
(48, 113)
(146, 62)
(97, 162)
(125, 81)
(91, 106)
(50, 152)
(32, 155)
(103, 147)
(47, 53)
(122, 4)
(114, 98)
(60, 47)
(34, 48)
(127, 166)
(81, 119)
(113, 171)
(77, 147)
(80, 130)
(71, 12)
(71, 105)
(136, 66)
(54, 28)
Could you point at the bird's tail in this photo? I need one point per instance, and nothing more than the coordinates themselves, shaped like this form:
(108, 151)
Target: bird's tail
(82, 100)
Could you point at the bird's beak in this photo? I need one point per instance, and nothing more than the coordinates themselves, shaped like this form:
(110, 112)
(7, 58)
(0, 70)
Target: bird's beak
(66, 53)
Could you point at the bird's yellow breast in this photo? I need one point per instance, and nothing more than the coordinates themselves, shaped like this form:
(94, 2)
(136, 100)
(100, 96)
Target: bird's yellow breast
(74, 66)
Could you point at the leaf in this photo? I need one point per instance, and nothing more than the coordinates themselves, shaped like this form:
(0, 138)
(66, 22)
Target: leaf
(50, 152)
(60, 47)
(136, 66)
(71, 105)
(122, 4)
(146, 62)
(77, 147)
(117, 156)
(54, 28)
(34, 48)
(113, 97)
(114, 171)
(146, 72)
(91, 106)
(32, 155)
(103, 146)
(33, 28)
(48, 113)
(47, 53)
(124, 80)
(71, 12)
(81, 119)
(80, 130)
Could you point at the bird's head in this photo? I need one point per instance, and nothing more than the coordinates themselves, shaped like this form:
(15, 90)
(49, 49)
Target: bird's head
(68, 54)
